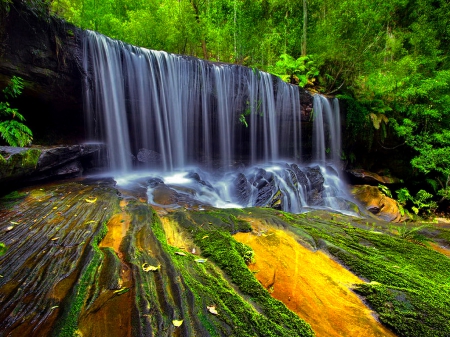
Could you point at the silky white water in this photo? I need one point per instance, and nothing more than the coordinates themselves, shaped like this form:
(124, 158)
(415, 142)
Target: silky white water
(235, 129)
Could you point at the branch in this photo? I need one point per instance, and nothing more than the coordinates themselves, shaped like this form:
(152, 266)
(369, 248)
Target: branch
(391, 148)
(331, 92)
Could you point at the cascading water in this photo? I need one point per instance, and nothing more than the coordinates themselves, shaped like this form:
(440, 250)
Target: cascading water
(174, 112)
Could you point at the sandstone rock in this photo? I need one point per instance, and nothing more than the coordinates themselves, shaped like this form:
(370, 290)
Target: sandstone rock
(22, 165)
(16, 162)
(376, 202)
(45, 52)
(364, 176)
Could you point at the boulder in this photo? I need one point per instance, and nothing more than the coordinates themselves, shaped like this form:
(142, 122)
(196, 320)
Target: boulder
(377, 203)
(20, 165)
(264, 182)
(315, 186)
(241, 190)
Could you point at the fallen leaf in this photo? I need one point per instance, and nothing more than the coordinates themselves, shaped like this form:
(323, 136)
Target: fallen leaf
(55, 238)
(146, 267)
(180, 253)
(177, 323)
(212, 310)
(206, 236)
(9, 228)
(121, 291)
(14, 223)
(55, 207)
(201, 260)
(91, 200)
(54, 307)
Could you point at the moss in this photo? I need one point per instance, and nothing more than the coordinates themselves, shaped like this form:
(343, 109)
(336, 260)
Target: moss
(17, 164)
(212, 233)
(410, 287)
(68, 324)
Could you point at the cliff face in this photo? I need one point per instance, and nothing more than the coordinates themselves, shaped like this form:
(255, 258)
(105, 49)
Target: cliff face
(44, 51)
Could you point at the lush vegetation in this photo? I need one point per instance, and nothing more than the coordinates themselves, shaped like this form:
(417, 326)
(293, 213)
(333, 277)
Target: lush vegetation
(12, 130)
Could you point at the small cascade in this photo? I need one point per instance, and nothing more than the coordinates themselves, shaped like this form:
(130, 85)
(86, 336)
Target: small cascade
(204, 133)
(326, 130)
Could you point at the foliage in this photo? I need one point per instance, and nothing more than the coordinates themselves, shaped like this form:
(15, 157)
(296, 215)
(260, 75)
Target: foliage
(12, 130)
(385, 190)
(413, 234)
(301, 71)
(421, 202)
(2, 248)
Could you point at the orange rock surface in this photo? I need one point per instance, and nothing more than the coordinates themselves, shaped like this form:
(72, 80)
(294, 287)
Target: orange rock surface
(311, 284)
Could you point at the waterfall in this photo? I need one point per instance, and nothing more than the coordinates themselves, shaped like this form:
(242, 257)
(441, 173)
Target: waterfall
(184, 110)
(167, 113)
(326, 130)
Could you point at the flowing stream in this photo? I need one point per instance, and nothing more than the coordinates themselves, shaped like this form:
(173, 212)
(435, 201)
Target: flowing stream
(202, 133)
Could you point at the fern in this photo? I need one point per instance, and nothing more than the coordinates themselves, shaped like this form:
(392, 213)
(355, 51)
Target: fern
(413, 235)
(12, 130)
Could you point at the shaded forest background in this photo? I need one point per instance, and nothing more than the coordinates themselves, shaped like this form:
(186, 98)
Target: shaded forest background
(386, 60)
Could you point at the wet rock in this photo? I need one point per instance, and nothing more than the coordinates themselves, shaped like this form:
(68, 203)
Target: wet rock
(241, 190)
(74, 168)
(366, 177)
(265, 184)
(148, 156)
(21, 165)
(376, 202)
(195, 176)
(300, 176)
(277, 201)
(17, 162)
(164, 195)
(154, 182)
(315, 186)
(57, 156)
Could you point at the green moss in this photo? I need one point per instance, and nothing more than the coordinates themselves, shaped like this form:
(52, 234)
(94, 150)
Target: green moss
(21, 163)
(411, 286)
(68, 324)
(212, 233)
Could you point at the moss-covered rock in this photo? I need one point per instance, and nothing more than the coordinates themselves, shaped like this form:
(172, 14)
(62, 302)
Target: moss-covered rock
(63, 275)
(17, 162)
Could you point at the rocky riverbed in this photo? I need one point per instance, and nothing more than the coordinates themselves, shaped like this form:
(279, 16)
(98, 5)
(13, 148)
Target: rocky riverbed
(85, 258)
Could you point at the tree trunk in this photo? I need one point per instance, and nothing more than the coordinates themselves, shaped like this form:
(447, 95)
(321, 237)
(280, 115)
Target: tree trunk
(305, 23)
